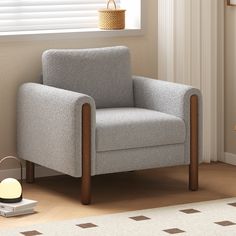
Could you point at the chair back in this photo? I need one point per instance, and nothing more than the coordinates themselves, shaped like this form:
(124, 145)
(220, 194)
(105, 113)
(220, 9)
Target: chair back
(102, 73)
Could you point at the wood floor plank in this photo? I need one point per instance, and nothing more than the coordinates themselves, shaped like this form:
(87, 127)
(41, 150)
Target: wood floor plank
(58, 196)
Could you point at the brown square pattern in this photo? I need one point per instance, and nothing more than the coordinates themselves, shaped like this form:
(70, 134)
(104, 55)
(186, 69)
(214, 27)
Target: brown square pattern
(31, 233)
(87, 225)
(174, 231)
(189, 211)
(232, 204)
(225, 223)
(139, 218)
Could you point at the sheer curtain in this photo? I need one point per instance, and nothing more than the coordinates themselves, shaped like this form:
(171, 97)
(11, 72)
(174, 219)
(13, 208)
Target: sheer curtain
(191, 51)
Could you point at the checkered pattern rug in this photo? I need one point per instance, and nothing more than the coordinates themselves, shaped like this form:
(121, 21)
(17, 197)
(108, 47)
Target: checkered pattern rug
(211, 218)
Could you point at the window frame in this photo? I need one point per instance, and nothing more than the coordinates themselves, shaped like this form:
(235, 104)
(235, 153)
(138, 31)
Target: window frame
(77, 33)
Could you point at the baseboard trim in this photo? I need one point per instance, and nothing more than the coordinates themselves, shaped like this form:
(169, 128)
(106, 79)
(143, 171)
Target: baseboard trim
(230, 158)
(39, 172)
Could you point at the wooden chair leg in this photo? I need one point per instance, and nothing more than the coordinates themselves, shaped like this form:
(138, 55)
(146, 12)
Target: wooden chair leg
(29, 172)
(86, 155)
(193, 167)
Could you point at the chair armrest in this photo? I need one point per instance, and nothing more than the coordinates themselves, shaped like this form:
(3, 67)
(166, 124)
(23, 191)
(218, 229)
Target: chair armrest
(171, 98)
(167, 97)
(49, 122)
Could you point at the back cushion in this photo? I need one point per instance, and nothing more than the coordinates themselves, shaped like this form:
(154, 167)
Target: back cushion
(102, 73)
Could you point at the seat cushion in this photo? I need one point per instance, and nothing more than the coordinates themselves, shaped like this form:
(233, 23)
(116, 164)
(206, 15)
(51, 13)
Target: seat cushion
(102, 73)
(125, 128)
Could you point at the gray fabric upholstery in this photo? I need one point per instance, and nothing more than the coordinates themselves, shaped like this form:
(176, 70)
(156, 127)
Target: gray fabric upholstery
(141, 123)
(49, 127)
(139, 158)
(125, 128)
(102, 73)
(169, 98)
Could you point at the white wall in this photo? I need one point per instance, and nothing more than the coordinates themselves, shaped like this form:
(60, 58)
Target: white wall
(230, 79)
(20, 61)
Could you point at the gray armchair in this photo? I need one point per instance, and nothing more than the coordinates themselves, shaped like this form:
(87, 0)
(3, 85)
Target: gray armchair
(91, 117)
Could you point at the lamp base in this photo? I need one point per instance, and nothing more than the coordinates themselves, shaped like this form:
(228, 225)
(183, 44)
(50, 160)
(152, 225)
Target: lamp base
(11, 200)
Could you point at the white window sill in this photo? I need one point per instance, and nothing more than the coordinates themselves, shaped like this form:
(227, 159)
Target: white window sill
(56, 34)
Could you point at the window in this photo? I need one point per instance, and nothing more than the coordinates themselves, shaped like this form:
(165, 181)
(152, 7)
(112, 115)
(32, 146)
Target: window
(35, 16)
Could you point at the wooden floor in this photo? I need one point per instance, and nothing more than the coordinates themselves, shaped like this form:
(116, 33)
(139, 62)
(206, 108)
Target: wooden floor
(59, 196)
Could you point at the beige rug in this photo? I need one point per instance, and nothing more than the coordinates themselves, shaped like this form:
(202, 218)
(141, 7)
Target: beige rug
(211, 218)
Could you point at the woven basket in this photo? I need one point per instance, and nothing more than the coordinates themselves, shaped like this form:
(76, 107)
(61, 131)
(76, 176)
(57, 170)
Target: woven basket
(111, 19)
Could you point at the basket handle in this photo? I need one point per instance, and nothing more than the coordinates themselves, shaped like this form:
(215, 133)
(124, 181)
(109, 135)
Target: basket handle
(16, 159)
(111, 1)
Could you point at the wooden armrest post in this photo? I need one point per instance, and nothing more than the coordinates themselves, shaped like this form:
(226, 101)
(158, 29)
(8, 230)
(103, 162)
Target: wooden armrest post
(86, 155)
(193, 167)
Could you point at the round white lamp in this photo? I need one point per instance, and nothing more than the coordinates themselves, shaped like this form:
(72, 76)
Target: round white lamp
(10, 188)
